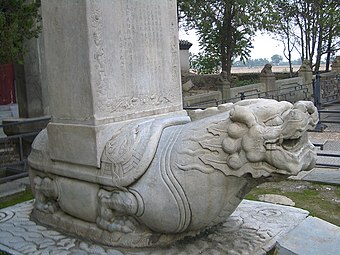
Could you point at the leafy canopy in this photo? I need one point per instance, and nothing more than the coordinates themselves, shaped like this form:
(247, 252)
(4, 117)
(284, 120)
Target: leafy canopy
(18, 22)
(225, 27)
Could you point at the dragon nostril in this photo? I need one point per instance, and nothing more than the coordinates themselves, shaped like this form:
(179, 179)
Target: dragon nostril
(290, 143)
(311, 110)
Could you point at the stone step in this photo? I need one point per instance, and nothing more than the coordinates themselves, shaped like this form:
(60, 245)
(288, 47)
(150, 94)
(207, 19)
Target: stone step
(323, 175)
(311, 236)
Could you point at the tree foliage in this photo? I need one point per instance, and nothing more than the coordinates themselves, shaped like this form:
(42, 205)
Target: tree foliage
(309, 26)
(203, 63)
(225, 27)
(276, 59)
(18, 22)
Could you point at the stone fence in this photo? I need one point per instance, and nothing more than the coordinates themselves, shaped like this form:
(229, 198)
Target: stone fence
(197, 89)
(329, 87)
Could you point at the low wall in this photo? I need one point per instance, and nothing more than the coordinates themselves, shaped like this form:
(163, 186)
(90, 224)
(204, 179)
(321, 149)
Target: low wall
(201, 98)
(249, 91)
(330, 87)
(292, 89)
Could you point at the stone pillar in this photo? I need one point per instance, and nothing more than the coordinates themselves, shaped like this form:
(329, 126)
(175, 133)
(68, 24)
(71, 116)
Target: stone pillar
(268, 77)
(223, 85)
(336, 65)
(31, 88)
(107, 62)
(306, 73)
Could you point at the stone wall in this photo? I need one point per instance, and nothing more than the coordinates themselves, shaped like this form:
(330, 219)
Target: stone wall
(291, 89)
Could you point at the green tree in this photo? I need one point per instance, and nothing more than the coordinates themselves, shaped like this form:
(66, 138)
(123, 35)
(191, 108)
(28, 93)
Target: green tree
(281, 24)
(309, 26)
(203, 63)
(225, 27)
(18, 22)
(316, 22)
(276, 59)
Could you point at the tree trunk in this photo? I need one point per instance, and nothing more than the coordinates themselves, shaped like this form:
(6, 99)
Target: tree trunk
(226, 45)
(319, 51)
(329, 45)
(302, 42)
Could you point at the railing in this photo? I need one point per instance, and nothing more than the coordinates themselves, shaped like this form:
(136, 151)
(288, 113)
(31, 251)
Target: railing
(14, 150)
(284, 94)
(326, 89)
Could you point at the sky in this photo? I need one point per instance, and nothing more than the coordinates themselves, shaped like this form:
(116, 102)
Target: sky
(264, 45)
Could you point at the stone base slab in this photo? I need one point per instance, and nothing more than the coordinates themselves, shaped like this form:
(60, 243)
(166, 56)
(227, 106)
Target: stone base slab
(253, 228)
(312, 236)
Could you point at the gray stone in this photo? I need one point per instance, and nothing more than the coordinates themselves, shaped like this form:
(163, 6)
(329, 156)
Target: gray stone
(14, 187)
(187, 86)
(336, 65)
(29, 125)
(252, 229)
(223, 84)
(306, 73)
(117, 61)
(312, 236)
(121, 163)
(31, 88)
(145, 184)
(268, 77)
(324, 175)
(199, 98)
(276, 199)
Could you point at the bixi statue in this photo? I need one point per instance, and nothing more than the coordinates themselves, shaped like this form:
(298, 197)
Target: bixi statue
(162, 179)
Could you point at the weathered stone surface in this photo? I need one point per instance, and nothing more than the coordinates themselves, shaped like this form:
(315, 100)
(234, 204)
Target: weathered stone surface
(31, 125)
(311, 236)
(118, 59)
(276, 199)
(336, 65)
(107, 61)
(252, 229)
(199, 98)
(121, 163)
(268, 77)
(323, 175)
(172, 177)
(187, 86)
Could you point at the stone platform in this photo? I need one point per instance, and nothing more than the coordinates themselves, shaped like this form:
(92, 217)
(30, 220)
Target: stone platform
(312, 236)
(253, 228)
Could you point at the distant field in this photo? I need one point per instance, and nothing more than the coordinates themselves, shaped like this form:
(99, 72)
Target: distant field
(277, 69)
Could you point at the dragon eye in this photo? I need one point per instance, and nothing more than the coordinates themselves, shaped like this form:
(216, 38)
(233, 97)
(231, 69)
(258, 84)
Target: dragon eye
(276, 121)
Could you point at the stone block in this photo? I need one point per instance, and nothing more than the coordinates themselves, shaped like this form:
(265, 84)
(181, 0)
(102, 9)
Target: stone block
(252, 229)
(24, 125)
(312, 236)
(106, 62)
(117, 60)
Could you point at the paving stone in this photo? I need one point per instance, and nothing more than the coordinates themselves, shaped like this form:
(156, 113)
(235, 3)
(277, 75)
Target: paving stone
(324, 175)
(313, 237)
(253, 228)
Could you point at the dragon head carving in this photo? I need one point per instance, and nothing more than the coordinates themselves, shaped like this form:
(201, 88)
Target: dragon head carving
(266, 136)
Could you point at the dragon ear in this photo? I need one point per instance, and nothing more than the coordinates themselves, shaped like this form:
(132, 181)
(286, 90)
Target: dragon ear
(243, 115)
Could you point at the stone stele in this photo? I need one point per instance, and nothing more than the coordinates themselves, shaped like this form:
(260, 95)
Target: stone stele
(121, 163)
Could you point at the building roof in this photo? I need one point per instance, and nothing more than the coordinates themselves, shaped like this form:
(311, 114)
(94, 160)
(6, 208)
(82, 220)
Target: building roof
(184, 44)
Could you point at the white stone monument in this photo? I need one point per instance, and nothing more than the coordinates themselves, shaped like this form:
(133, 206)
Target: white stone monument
(107, 61)
(121, 163)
